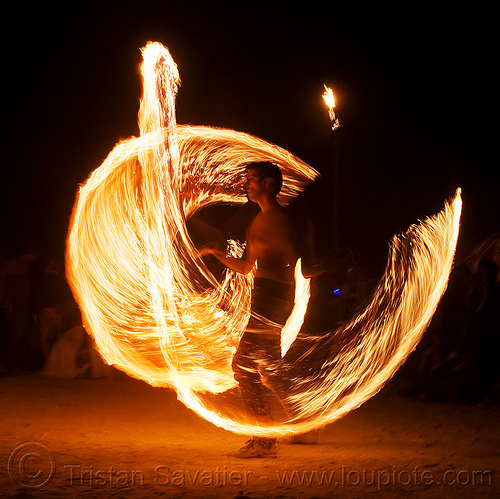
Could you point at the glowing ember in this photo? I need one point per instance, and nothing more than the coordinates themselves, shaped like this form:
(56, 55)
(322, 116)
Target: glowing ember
(155, 310)
(330, 102)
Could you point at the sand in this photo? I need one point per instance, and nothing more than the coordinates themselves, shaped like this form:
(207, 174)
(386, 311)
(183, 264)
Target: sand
(119, 437)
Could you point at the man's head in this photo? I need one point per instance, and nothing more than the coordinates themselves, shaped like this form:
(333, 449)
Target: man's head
(268, 175)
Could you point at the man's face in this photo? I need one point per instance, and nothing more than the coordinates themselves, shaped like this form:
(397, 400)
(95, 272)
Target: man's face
(254, 185)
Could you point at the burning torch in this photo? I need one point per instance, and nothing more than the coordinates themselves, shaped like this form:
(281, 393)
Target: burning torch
(330, 102)
(335, 124)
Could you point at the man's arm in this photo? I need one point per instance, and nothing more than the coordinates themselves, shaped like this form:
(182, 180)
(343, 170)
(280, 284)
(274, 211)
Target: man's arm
(241, 265)
(310, 267)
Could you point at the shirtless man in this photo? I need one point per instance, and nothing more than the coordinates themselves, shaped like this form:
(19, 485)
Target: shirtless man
(274, 244)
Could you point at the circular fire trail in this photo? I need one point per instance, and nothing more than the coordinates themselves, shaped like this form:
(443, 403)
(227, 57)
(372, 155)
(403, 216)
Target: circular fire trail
(156, 312)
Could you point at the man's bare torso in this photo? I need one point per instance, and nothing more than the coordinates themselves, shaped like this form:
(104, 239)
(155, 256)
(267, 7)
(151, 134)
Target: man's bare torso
(271, 242)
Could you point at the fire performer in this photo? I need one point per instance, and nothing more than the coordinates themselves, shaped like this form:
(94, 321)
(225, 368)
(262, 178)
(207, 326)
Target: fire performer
(274, 243)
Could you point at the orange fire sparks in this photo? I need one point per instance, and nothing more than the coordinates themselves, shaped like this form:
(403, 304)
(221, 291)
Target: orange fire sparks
(156, 312)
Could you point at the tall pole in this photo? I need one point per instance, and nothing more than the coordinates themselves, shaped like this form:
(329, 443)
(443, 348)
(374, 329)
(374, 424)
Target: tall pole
(336, 204)
(334, 144)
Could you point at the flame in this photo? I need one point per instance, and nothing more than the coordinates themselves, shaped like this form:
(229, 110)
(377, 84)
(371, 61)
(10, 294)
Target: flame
(330, 102)
(329, 98)
(156, 312)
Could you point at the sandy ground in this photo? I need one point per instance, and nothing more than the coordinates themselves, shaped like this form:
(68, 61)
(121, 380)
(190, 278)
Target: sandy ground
(119, 437)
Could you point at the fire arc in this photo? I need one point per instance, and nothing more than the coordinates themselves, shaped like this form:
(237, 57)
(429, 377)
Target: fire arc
(156, 312)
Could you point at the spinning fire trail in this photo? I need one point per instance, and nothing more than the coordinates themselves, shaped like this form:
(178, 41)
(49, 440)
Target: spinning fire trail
(156, 312)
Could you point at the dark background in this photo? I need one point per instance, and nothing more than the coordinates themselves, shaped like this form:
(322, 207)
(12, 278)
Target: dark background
(416, 91)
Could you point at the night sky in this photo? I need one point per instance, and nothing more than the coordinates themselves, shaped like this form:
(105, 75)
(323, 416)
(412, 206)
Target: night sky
(416, 90)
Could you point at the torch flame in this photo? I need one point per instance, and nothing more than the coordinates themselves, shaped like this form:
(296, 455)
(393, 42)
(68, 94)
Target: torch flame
(330, 102)
(329, 98)
(155, 310)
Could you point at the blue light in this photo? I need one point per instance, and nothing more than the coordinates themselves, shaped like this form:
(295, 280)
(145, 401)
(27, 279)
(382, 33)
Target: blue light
(336, 291)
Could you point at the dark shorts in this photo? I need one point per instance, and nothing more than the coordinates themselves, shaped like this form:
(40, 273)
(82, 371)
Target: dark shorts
(272, 303)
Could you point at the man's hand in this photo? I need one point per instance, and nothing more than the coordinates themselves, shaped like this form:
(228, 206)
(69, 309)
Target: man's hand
(215, 248)
(315, 270)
